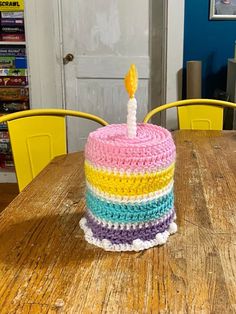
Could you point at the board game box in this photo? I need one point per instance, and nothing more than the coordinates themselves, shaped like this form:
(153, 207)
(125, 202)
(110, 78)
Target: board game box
(7, 62)
(13, 81)
(14, 94)
(11, 22)
(10, 107)
(13, 72)
(12, 15)
(12, 51)
(12, 29)
(13, 37)
(12, 5)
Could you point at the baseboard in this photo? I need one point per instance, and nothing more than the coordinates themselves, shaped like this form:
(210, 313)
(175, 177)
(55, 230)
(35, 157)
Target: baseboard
(7, 176)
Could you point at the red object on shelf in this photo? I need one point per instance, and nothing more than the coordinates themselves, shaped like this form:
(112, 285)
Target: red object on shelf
(13, 81)
(6, 161)
(4, 135)
(13, 37)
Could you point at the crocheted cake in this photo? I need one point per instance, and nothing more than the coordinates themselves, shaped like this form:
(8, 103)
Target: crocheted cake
(130, 201)
(129, 170)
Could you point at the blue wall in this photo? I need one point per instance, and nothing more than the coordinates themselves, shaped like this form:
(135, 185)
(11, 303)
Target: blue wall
(211, 41)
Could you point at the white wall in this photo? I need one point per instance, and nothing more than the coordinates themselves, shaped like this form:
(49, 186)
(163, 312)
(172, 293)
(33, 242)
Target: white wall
(43, 37)
(174, 57)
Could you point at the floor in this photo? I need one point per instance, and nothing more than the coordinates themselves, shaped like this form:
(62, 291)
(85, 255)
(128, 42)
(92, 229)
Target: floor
(8, 191)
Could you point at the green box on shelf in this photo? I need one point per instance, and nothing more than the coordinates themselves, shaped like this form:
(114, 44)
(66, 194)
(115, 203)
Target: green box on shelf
(7, 62)
(13, 72)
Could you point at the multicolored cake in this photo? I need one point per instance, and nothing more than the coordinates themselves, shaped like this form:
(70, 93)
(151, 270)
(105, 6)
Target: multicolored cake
(129, 196)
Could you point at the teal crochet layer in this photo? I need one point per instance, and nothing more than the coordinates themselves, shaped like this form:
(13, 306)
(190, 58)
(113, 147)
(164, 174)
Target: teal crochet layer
(129, 212)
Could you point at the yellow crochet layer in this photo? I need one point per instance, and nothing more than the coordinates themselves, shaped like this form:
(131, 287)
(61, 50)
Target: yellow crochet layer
(128, 185)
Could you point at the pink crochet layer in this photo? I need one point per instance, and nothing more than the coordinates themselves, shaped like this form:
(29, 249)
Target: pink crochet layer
(152, 149)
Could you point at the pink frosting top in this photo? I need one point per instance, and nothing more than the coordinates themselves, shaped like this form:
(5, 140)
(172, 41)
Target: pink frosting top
(151, 150)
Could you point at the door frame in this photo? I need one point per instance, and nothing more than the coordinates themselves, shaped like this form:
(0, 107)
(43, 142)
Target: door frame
(158, 56)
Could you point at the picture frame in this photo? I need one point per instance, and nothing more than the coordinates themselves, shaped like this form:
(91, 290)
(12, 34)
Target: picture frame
(222, 9)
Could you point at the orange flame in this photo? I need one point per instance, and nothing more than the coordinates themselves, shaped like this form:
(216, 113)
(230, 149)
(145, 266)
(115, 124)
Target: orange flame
(131, 81)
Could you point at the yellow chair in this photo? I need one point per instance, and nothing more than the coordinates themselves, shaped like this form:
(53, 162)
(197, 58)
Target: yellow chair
(197, 114)
(37, 136)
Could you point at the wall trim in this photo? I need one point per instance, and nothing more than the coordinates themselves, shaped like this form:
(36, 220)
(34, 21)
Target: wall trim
(158, 56)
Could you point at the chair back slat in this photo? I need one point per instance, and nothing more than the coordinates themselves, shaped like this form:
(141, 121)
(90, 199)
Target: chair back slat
(35, 141)
(196, 114)
(200, 117)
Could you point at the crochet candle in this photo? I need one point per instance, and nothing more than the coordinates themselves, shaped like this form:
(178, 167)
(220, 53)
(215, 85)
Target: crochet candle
(131, 84)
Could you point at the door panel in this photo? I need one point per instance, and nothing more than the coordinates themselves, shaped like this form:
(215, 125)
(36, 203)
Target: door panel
(110, 66)
(104, 97)
(105, 37)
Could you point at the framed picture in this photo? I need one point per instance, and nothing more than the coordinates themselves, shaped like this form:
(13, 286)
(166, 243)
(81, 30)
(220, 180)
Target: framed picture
(222, 9)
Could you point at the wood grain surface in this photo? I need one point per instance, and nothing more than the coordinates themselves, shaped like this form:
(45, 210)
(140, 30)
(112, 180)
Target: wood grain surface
(47, 267)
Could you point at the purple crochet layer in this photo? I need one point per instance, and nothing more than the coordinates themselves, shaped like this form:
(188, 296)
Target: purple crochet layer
(118, 236)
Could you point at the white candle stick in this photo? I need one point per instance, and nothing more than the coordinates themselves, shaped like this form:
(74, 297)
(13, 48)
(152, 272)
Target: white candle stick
(131, 118)
(131, 84)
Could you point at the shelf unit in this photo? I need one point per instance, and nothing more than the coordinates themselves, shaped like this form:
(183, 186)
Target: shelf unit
(14, 90)
(12, 43)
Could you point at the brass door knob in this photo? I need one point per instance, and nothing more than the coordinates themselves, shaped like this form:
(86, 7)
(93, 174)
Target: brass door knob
(68, 58)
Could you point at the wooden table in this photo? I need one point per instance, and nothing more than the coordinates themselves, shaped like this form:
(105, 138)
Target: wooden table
(47, 267)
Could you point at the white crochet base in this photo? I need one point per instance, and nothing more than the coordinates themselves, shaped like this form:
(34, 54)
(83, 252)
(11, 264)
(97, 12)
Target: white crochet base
(137, 245)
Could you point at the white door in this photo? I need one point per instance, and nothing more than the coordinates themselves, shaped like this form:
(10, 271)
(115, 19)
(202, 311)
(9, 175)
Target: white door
(105, 37)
